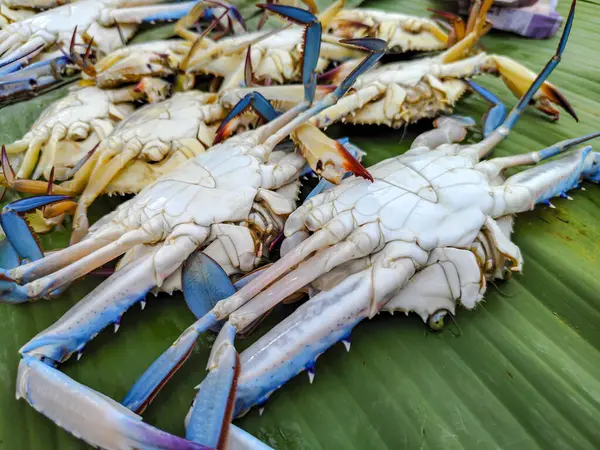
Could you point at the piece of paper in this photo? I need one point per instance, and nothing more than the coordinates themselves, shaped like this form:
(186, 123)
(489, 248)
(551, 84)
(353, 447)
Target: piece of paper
(538, 21)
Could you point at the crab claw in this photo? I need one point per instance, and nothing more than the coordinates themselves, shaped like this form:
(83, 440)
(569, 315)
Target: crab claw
(518, 79)
(252, 100)
(17, 229)
(323, 185)
(312, 42)
(20, 185)
(83, 62)
(327, 158)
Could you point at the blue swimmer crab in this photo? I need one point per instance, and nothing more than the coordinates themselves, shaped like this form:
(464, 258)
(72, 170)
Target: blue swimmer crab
(427, 234)
(27, 66)
(230, 202)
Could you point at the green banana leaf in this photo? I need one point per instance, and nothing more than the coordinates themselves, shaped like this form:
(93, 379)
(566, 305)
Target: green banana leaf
(522, 371)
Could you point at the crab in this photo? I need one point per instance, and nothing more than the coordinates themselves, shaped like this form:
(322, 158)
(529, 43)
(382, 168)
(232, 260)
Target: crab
(405, 33)
(245, 59)
(153, 141)
(71, 127)
(402, 32)
(108, 24)
(401, 93)
(149, 143)
(228, 202)
(427, 234)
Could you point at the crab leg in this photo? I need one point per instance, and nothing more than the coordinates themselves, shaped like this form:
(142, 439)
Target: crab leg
(294, 344)
(11, 66)
(37, 44)
(494, 167)
(484, 147)
(521, 192)
(204, 283)
(494, 117)
(448, 130)
(90, 415)
(44, 286)
(148, 385)
(112, 298)
(209, 420)
(153, 13)
(33, 80)
(37, 71)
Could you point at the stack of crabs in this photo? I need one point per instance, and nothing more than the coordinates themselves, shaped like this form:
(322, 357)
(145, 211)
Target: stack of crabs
(215, 189)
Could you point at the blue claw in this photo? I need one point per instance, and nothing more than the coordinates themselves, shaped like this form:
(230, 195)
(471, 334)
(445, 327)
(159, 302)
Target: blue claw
(16, 228)
(204, 283)
(160, 371)
(377, 48)
(312, 43)
(212, 409)
(253, 100)
(494, 117)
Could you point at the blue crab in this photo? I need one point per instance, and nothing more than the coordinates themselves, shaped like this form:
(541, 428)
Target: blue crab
(229, 202)
(426, 235)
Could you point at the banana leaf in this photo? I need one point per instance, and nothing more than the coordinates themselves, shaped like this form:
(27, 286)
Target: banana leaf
(521, 371)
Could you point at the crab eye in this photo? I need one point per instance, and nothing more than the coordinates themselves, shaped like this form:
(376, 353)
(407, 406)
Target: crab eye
(436, 320)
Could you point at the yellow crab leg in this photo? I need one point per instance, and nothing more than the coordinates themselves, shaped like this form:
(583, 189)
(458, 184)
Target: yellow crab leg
(182, 26)
(101, 176)
(29, 186)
